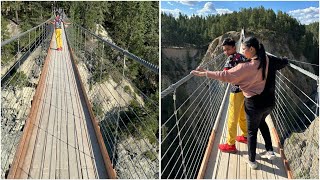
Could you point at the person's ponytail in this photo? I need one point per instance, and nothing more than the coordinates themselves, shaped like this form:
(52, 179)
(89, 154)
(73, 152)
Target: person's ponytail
(261, 53)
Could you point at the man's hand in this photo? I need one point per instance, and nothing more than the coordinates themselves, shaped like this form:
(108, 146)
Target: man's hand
(200, 69)
(198, 73)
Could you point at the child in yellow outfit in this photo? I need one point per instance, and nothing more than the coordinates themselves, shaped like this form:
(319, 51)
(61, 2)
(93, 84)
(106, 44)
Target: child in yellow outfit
(58, 30)
(236, 112)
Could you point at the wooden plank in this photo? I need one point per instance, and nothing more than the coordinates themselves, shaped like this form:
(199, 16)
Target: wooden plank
(212, 167)
(64, 154)
(269, 169)
(232, 170)
(72, 93)
(38, 154)
(73, 167)
(70, 127)
(224, 157)
(54, 168)
(78, 138)
(88, 149)
(49, 146)
(55, 172)
(243, 152)
(261, 163)
(55, 142)
(249, 175)
(80, 135)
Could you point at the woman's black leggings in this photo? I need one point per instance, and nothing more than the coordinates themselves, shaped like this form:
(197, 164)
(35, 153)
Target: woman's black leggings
(256, 114)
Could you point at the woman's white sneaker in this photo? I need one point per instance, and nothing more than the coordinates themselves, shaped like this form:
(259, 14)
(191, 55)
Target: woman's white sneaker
(252, 165)
(269, 155)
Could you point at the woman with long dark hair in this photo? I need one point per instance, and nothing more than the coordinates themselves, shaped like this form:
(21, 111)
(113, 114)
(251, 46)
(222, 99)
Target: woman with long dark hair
(256, 79)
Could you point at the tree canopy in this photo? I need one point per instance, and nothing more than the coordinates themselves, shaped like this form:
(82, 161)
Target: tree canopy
(198, 30)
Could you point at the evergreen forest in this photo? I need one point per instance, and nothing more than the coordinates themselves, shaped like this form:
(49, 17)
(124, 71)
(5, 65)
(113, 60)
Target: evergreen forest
(199, 31)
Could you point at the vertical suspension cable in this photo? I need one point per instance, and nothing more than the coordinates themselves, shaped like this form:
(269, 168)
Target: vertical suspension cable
(177, 124)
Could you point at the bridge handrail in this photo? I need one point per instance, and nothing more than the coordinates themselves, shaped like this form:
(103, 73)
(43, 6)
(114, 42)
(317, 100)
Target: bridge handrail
(301, 70)
(145, 63)
(21, 34)
(174, 86)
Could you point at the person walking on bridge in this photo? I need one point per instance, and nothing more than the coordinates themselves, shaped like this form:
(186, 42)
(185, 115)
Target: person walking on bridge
(58, 30)
(236, 113)
(256, 79)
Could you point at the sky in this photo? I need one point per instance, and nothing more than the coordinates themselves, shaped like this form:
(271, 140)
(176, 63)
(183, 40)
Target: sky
(304, 11)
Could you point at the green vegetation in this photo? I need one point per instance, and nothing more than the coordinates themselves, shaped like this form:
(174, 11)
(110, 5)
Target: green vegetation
(141, 121)
(149, 154)
(314, 29)
(127, 89)
(97, 110)
(19, 79)
(199, 31)
(24, 14)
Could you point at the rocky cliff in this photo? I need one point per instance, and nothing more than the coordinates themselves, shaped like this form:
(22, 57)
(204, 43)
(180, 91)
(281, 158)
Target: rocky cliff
(302, 152)
(16, 103)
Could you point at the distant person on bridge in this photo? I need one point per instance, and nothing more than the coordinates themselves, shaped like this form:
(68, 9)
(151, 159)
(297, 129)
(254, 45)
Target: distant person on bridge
(256, 79)
(236, 111)
(58, 30)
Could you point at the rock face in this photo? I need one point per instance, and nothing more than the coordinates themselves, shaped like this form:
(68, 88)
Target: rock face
(177, 62)
(134, 162)
(215, 47)
(302, 152)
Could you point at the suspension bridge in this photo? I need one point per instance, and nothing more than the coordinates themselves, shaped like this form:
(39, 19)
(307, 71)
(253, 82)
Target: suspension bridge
(69, 114)
(195, 123)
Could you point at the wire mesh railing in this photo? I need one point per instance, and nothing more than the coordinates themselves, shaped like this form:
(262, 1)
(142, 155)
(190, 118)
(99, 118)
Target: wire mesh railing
(127, 115)
(22, 59)
(185, 132)
(294, 118)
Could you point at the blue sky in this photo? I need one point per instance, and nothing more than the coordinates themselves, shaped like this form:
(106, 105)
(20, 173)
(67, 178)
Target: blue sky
(305, 11)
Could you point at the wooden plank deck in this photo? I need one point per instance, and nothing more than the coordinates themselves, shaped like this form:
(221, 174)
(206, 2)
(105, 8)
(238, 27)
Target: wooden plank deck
(63, 143)
(232, 166)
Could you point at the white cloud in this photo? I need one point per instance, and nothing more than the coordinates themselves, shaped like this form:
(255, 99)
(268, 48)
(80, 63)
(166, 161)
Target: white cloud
(189, 3)
(174, 12)
(224, 11)
(170, 3)
(191, 8)
(307, 15)
(209, 8)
